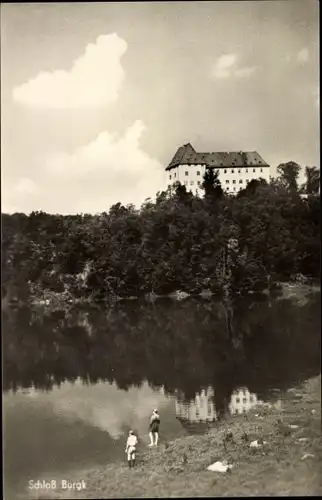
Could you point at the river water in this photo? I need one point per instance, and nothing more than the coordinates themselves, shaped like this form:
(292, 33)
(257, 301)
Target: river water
(75, 381)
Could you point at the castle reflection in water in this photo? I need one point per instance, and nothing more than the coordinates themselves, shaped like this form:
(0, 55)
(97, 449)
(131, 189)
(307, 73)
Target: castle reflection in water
(202, 408)
(241, 401)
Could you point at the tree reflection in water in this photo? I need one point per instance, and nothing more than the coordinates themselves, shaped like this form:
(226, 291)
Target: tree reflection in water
(183, 347)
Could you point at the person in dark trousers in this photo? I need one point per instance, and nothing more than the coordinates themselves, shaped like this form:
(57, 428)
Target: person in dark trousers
(130, 449)
(154, 428)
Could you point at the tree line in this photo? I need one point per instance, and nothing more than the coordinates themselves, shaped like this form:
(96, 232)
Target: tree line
(267, 233)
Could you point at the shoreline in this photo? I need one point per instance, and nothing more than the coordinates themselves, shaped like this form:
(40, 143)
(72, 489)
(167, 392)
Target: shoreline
(286, 290)
(289, 464)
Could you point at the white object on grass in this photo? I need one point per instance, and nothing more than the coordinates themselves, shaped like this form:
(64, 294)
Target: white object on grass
(293, 426)
(307, 455)
(219, 466)
(256, 444)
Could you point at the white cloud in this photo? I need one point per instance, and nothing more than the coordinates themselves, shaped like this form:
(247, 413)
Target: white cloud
(107, 170)
(120, 169)
(26, 186)
(101, 405)
(106, 153)
(226, 61)
(244, 72)
(303, 55)
(223, 66)
(94, 79)
(105, 407)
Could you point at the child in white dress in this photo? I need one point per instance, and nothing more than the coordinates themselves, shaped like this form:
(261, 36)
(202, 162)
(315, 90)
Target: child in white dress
(130, 449)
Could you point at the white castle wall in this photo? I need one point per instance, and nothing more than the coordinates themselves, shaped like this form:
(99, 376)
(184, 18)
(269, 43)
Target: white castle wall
(232, 179)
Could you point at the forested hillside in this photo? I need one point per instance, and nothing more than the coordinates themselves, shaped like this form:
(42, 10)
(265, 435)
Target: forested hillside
(266, 234)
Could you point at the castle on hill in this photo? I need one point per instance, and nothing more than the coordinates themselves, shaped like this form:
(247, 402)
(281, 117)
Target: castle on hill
(235, 169)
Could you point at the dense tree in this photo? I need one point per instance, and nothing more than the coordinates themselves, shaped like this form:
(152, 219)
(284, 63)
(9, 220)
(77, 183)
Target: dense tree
(211, 185)
(288, 175)
(312, 183)
(252, 187)
(179, 242)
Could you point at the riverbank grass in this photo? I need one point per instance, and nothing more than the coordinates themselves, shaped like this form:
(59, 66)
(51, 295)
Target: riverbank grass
(289, 464)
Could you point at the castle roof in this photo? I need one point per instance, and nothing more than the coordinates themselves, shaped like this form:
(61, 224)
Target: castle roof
(186, 155)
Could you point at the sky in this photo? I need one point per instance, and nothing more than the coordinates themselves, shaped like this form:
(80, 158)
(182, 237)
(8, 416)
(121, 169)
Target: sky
(97, 97)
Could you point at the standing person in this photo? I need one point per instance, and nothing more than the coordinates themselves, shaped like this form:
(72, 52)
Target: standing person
(154, 428)
(130, 449)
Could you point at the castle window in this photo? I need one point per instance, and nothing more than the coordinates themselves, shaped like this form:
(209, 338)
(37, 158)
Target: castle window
(234, 182)
(191, 183)
(225, 171)
(246, 170)
(239, 170)
(240, 181)
(244, 400)
(227, 181)
(198, 173)
(237, 400)
(261, 170)
(234, 189)
(175, 175)
(170, 177)
(198, 182)
(254, 169)
(232, 171)
(247, 181)
(186, 173)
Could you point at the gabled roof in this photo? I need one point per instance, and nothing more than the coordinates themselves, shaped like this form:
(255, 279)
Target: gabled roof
(183, 152)
(186, 155)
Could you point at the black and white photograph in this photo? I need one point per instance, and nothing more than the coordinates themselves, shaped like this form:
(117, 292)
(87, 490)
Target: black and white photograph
(160, 219)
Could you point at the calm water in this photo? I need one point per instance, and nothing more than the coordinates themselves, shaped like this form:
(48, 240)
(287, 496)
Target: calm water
(75, 381)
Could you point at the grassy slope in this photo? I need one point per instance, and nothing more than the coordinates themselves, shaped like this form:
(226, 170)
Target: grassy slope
(276, 469)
